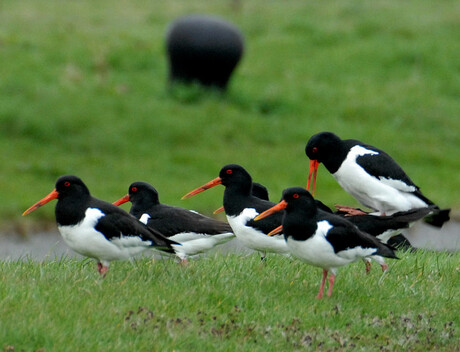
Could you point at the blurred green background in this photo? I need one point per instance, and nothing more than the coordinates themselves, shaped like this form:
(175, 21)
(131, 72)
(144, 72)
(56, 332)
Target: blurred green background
(83, 90)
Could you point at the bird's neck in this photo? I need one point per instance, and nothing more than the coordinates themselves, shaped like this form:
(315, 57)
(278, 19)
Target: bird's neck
(141, 207)
(236, 199)
(71, 211)
(300, 225)
(335, 158)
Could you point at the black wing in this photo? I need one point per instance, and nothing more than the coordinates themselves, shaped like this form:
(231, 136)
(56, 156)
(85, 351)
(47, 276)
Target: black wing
(344, 235)
(382, 165)
(171, 220)
(269, 223)
(116, 223)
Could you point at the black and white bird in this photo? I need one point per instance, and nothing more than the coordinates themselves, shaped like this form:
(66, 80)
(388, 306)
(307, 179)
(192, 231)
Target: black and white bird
(241, 206)
(386, 228)
(323, 239)
(195, 232)
(370, 175)
(382, 227)
(97, 229)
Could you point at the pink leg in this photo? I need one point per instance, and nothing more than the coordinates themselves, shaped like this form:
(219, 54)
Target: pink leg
(384, 267)
(368, 266)
(331, 284)
(102, 269)
(323, 282)
(184, 262)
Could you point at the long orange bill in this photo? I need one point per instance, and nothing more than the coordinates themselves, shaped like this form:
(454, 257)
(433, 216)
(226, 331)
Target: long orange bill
(278, 207)
(312, 172)
(220, 210)
(53, 195)
(122, 200)
(210, 184)
(276, 231)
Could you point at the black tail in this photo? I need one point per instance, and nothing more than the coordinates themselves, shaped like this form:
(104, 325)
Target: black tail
(412, 215)
(401, 243)
(161, 242)
(382, 249)
(437, 217)
(386, 250)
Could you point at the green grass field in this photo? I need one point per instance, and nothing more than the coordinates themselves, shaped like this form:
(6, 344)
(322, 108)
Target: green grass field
(230, 302)
(83, 90)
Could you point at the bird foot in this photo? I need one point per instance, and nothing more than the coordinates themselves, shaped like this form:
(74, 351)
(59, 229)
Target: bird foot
(384, 267)
(349, 211)
(184, 262)
(102, 269)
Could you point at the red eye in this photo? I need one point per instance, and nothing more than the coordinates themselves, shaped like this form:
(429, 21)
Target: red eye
(134, 189)
(314, 150)
(229, 172)
(67, 183)
(295, 196)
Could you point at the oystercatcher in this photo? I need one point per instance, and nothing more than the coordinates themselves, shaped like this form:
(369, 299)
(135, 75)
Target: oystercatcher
(386, 228)
(241, 206)
(322, 239)
(370, 175)
(98, 229)
(382, 227)
(195, 232)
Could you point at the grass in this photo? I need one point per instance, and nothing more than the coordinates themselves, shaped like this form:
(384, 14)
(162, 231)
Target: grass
(229, 302)
(84, 92)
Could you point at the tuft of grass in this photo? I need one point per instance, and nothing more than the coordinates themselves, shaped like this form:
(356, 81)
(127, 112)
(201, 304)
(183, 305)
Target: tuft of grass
(229, 302)
(84, 91)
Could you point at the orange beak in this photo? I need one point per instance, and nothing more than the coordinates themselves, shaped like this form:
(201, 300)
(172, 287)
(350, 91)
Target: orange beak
(210, 184)
(278, 207)
(220, 210)
(313, 172)
(276, 231)
(53, 195)
(122, 200)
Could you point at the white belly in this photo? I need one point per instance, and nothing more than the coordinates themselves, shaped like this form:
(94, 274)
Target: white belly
(317, 251)
(85, 240)
(253, 238)
(195, 243)
(385, 195)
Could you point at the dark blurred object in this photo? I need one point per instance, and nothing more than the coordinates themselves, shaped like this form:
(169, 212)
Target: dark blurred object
(203, 49)
(401, 242)
(260, 191)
